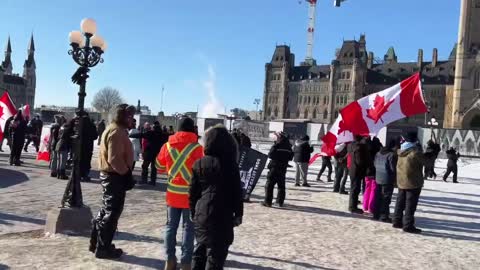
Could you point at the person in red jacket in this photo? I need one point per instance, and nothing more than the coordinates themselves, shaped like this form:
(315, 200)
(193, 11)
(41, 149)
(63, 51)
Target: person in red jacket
(177, 157)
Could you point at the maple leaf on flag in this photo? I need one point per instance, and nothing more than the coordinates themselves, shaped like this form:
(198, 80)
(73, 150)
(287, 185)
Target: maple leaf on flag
(379, 108)
(341, 127)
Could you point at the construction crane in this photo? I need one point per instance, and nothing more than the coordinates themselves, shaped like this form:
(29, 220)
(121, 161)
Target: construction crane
(312, 10)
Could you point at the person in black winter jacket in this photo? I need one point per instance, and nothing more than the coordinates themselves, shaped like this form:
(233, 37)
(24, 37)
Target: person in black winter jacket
(154, 140)
(452, 156)
(17, 135)
(216, 204)
(385, 177)
(280, 154)
(63, 146)
(52, 143)
(358, 152)
(89, 136)
(302, 151)
(100, 129)
(245, 141)
(341, 171)
(431, 154)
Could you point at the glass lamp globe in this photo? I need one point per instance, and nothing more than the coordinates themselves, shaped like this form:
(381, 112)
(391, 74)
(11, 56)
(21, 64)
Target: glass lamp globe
(75, 37)
(96, 41)
(88, 26)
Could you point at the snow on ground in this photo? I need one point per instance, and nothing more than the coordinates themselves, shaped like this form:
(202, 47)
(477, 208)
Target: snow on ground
(313, 231)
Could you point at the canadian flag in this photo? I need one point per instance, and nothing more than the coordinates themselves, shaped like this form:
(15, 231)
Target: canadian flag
(26, 111)
(369, 114)
(7, 110)
(44, 153)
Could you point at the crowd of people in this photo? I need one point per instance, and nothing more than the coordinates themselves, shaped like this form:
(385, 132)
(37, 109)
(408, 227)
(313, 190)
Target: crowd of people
(204, 190)
(374, 170)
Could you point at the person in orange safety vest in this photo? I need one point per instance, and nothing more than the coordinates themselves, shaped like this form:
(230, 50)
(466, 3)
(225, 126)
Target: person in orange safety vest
(176, 158)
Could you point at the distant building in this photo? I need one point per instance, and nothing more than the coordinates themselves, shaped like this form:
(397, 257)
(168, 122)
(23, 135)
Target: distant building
(20, 88)
(318, 92)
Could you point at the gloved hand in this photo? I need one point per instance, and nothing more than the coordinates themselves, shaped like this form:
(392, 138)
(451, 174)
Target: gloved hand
(237, 221)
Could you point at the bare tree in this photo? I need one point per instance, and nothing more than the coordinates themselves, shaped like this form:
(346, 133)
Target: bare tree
(106, 99)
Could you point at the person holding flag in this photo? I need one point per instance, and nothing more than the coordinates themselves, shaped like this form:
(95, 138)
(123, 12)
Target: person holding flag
(7, 113)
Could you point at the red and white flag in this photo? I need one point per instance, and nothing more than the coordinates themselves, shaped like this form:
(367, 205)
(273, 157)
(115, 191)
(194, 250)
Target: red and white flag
(26, 111)
(43, 152)
(369, 114)
(7, 109)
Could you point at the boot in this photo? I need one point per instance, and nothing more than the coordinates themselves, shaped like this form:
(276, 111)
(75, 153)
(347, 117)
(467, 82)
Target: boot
(109, 253)
(186, 267)
(53, 174)
(171, 265)
(62, 175)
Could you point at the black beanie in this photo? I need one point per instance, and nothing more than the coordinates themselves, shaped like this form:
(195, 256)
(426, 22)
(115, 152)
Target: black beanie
(411, 136)
(187, 125)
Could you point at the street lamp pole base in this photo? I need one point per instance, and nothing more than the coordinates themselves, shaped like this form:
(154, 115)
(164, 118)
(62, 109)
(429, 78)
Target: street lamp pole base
(71, 221)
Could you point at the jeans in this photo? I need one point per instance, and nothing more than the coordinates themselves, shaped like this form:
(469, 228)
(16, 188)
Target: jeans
(341, 174)
(173, 221)
(153, 171)
(62, 157)
(275, 178)
(325, 165)
(384, 198)
(355, 183)
(301, 172)
(407, 200)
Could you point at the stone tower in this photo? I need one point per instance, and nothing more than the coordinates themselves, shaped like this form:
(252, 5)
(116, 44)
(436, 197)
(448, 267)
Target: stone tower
(7, 62)
(275, 95)
(29, 73)
(463, 104)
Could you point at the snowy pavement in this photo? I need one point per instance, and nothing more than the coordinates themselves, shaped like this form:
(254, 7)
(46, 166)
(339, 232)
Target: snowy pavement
(313, 231)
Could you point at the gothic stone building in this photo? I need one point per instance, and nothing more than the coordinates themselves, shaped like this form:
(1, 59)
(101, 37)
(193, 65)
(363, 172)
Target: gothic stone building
(318, 92)
(20, 88)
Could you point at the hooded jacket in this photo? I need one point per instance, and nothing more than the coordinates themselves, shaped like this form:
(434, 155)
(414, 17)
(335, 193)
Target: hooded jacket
(280, 154)
(179, 169)
(302, 151)
(386, 167)
(359, 157)
(452, 156)
(216, 191)
(409, 168)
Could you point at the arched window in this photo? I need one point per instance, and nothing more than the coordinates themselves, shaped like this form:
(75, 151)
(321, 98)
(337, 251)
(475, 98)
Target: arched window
(305, 114)
(336, 114)
(348, 75)
(269, 111)
(337, 100)
(314, 113)
(276, 112)
(324, 100)
(309, 99)
(341, 100)
(325, 114)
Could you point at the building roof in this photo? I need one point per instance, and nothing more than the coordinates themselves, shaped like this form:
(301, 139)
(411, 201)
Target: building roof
(299, 73)
(11, 79)
(392, 73)
(8, 48)
(31, 44)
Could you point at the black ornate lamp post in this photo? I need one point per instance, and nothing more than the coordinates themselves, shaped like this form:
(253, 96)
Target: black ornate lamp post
(87, 50)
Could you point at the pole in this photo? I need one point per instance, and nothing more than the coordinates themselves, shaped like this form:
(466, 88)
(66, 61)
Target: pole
(161, 102)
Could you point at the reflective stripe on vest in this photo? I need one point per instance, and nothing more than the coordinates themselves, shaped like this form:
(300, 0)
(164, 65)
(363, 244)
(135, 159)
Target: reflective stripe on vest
(179, 166)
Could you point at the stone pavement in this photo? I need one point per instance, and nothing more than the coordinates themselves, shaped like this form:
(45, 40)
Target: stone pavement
(28, 192)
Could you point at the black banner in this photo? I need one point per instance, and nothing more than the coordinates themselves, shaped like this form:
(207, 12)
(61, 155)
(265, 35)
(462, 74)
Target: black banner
(251, 166)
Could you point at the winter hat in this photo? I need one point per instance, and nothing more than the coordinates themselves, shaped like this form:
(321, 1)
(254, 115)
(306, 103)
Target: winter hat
(306, 138)
(186, 125)
(411, 136)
